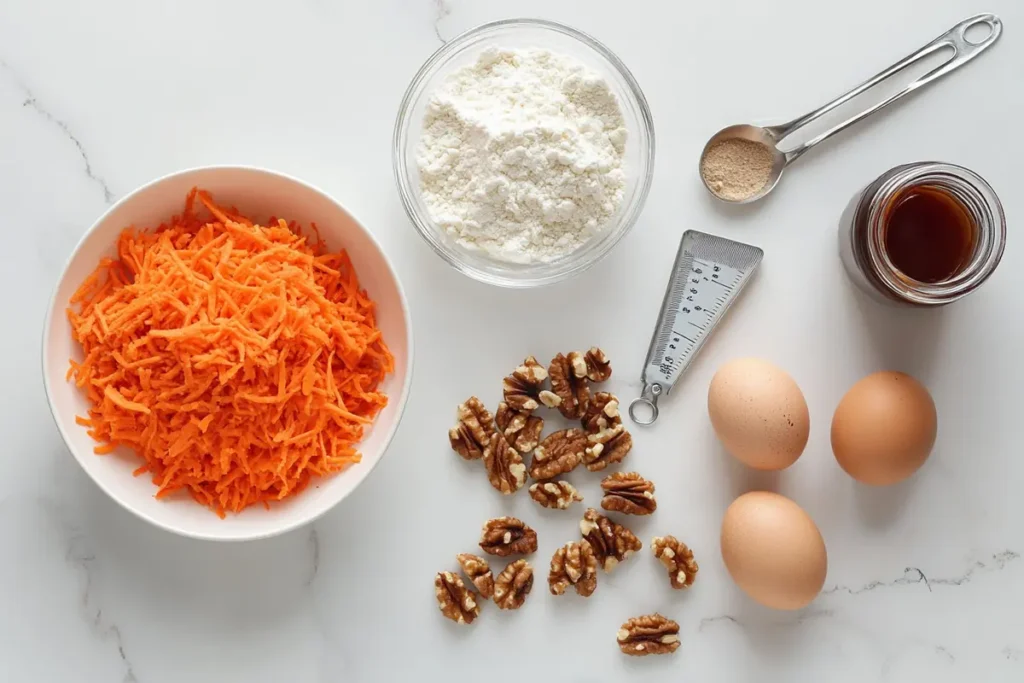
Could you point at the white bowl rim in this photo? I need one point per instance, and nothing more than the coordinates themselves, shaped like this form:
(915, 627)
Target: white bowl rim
(402, 399)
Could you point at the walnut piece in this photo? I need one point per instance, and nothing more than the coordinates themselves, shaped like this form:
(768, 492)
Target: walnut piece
(474, 431)
(456, 601)
(612, 542)
(678, 560)
(505, 468)
(522, 388)
(570, 389)
(628, 493)
(652, 634)
(607, 439)
(513, 585)
(504, 536)
(558, 453)
(519, 427)
(599, 368)
(574, 564)
(477, 571)
(558, 495)
(602, 418)
(598, 456)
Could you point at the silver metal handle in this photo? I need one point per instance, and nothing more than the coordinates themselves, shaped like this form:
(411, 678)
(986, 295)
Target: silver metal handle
(963, 52)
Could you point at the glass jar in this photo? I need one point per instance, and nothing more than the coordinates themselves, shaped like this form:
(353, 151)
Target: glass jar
(862, 234)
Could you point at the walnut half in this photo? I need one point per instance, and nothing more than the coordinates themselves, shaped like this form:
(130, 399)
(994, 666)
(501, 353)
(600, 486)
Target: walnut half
(599, 455)
(652, 634)
(570, 389)
(574, 564)
(558, 453)
(520, 428)
(612, 542)
(505, 468)
(607, 439)
(628, 493)
(602, 417)
(504, 536)
(523, 387)
(557, 495)
(478, 571)
(599, 368)
(474, 430)
(513, 585)
(678, 560)
(456, 601)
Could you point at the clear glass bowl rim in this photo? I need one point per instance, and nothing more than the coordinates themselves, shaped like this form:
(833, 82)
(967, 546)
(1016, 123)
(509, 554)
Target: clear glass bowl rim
(405, 190)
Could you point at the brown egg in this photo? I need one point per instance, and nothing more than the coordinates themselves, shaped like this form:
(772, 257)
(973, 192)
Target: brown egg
(759, 413)
(884, 428)
(773, 550)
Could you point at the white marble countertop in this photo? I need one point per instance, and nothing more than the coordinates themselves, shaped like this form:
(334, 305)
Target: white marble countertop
(925, 579)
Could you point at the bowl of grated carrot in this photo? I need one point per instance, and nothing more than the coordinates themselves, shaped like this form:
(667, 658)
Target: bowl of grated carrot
(228, 353)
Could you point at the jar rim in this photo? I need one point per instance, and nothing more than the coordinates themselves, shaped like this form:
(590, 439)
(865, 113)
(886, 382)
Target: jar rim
(976, 196)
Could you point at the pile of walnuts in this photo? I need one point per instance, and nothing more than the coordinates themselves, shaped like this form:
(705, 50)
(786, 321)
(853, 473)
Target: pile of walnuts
(504, 440)
(514, 431)
(501, 537)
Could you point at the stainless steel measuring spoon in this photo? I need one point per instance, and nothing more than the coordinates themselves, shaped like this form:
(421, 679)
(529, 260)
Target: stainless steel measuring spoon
(963, 52)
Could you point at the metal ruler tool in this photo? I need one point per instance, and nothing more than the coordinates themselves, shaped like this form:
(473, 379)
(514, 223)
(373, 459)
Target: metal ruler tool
(708, 273)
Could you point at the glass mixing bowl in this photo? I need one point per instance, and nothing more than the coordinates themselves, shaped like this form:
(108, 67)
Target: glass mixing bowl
(524, 34)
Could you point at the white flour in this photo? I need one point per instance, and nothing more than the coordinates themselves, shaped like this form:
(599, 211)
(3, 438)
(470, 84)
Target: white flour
(521, 155)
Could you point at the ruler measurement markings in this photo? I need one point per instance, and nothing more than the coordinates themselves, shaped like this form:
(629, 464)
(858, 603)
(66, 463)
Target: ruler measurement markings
(688, 299)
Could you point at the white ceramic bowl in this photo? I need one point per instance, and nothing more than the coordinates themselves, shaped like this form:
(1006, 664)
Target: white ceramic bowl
(258, 194)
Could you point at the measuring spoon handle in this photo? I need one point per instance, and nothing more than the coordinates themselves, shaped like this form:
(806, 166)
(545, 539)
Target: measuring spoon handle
(963, 52)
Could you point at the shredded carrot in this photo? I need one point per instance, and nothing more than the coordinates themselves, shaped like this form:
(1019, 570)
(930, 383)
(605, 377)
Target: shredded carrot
(238, 361)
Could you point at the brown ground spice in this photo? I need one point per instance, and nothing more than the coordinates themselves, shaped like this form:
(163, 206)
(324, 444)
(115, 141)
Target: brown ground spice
(737, 169)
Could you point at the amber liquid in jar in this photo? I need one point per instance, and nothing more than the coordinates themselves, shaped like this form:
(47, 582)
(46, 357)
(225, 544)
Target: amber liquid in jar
(925, 234)
(929, 235)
